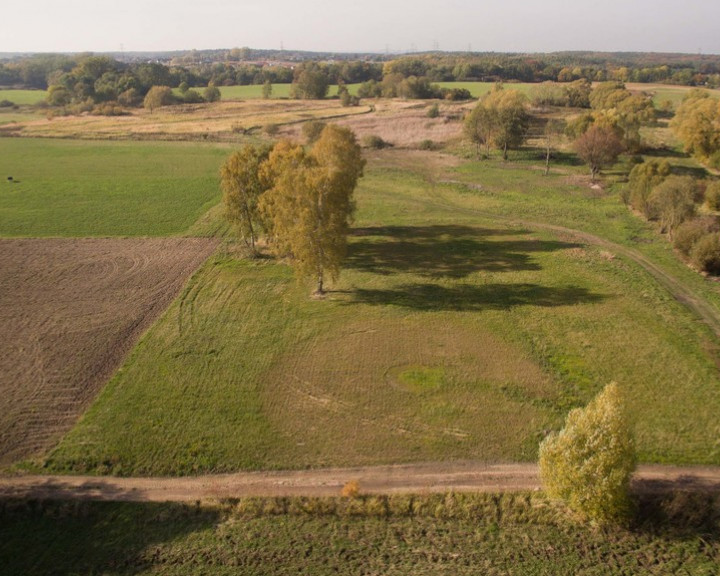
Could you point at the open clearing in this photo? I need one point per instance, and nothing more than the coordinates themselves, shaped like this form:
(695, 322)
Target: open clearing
(69, 312)
(455, 332)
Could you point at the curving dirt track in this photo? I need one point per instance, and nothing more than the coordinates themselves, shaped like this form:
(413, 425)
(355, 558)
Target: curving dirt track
(411, 478)
(707, 312)
(70, 310)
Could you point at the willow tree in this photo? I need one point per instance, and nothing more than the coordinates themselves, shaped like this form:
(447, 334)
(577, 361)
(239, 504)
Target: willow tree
(589, 463)
(697, 124)
(310, 204)
(242, 186)
(500, 119)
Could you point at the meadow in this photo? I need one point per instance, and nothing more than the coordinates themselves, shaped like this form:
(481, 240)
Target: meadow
(455, 332)
(75, 188)
(480, 301)
(23, 97)
(510, 534)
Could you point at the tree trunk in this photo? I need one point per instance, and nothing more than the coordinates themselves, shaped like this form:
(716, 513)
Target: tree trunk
(505, 150)
(251, 229)
(547, 158)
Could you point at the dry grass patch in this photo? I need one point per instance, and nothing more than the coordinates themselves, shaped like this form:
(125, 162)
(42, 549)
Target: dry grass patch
(405, 123)
(218, 121)
(386, 389)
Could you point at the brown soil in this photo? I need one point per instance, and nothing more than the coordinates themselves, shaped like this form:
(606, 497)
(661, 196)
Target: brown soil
(70, 310)
(416, 478)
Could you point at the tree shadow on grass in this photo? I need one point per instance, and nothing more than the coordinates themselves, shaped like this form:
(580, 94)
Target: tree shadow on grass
(679, 513)
(449, 251)
(431, 297)
(80, 537)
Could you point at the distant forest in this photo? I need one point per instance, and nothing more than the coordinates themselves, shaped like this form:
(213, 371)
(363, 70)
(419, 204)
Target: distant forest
(105, 76)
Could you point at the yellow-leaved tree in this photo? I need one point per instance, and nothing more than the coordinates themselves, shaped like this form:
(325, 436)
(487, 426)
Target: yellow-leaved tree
(588, 464)
(241, 185)
(697, 124)
(310, 205)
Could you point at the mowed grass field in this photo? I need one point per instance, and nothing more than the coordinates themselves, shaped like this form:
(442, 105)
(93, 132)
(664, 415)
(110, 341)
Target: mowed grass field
(76, 188)
(453, 333)
(23, 97)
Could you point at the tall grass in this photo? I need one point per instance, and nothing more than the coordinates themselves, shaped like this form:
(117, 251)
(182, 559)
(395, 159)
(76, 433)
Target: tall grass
(432, 534)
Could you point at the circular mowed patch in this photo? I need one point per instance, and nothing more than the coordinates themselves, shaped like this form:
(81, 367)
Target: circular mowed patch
(427, 387)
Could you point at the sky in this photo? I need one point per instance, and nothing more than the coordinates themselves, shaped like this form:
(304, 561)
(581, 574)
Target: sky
(690, 26)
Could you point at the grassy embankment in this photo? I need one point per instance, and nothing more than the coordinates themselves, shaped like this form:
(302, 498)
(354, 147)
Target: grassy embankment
(512, 534)
(451, 334)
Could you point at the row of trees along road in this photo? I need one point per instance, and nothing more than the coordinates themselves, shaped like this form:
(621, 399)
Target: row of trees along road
(301, 199)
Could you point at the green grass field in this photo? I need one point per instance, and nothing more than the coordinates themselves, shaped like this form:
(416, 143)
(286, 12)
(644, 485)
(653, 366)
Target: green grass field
(23, 97)
(452, 334)
(75, 188)
(493, 535)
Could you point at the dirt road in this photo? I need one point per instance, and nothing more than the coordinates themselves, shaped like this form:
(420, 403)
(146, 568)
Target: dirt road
(417, 478)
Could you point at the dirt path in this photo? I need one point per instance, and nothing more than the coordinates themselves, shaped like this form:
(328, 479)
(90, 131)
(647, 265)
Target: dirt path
(417, 478)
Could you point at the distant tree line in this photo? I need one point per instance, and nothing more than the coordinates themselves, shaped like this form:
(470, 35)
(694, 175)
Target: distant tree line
(227, 68)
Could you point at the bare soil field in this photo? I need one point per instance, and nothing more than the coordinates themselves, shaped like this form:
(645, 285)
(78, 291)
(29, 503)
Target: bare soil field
(70, 310)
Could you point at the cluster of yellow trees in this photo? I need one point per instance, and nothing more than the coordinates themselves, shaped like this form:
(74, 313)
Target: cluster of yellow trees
(500, 119)
(301, 199)
(697, 124)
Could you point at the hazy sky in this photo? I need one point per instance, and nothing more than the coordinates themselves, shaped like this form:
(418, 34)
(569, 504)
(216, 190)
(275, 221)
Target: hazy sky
(365, 25)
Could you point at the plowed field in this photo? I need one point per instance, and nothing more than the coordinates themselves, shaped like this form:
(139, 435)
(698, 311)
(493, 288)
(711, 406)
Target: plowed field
(70, 310)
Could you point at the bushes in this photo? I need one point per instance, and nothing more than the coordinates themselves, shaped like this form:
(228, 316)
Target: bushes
(712, 195)
(643, 178)
(705, 254)
(672, 202)
(689, 232)
(311, 130)
(588, 464)
(374, 142)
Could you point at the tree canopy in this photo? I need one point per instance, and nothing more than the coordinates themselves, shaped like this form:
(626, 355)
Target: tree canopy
(309, 205)
(697, 124)
(588, 464)
(600, 146)
(499, 119)
(242, 186)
